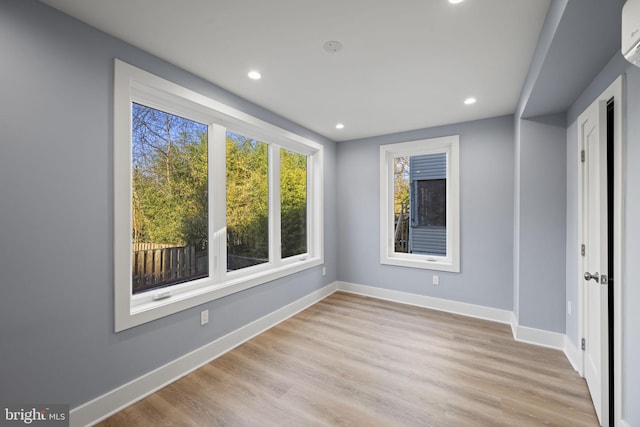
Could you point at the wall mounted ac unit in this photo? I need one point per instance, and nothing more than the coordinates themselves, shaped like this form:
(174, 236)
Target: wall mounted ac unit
(631, 31)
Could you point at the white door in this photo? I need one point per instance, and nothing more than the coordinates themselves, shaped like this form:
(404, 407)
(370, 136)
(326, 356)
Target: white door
(595, 305)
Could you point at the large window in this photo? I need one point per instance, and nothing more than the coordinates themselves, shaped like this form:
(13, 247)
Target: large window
(419, 207)
(208, 201)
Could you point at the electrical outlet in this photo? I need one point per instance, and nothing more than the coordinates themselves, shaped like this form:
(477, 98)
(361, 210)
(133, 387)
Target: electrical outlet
(204, 317)
(436, 280)
(324, 271)
(569, 307)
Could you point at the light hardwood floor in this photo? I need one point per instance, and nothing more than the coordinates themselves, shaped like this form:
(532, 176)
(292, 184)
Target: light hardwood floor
(356, 361)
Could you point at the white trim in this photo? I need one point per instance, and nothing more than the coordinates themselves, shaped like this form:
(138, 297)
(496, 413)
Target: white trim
(520, 333)
(449, 306)
(535, 336)
(623, 423)
(538, 337)
(574, 355)
(115, 400)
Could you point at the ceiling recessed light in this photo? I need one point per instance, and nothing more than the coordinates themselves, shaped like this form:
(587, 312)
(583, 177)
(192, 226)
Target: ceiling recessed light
(455, 1)
(470, 101)
(339, 126)
(254, 75)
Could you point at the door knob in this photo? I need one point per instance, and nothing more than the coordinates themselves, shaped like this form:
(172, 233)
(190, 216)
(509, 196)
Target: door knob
(594, 276)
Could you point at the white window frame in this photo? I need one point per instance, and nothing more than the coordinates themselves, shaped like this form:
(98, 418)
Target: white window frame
(450, 146)
(132, 84)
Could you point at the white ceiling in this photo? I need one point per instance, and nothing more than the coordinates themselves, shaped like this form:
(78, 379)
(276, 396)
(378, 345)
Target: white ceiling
(405, 64)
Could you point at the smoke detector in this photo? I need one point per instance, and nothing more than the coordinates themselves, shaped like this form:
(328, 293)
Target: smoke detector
(333, 46)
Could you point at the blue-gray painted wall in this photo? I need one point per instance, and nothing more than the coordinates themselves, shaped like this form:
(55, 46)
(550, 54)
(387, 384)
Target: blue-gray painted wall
(56, 222)
(542, 213)
(631, 283)
(486, 216)
(527, 193)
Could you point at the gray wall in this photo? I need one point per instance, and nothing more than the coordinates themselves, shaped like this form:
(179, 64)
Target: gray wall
(486, 203)
(631, 284)
(56, 310)
(538, 246)
(572, 244)
(541, 210)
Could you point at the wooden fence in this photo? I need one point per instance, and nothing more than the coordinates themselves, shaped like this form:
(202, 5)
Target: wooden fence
(157, 267)
(401, 231)
(144, 246)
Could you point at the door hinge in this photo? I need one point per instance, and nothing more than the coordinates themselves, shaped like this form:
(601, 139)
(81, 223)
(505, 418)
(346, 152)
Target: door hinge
(584, 344)
(583, 156)
(583, 250)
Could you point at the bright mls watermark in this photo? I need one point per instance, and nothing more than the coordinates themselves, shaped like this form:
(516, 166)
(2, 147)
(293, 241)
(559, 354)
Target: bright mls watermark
(35, 415)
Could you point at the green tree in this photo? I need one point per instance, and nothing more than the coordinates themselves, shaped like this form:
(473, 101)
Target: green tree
(169, 179)
(401, 192)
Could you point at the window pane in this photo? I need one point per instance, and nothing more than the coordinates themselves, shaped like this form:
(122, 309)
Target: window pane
(293, 194)
(247, 202)
(420, 204)
(401, 197)
(169, 199)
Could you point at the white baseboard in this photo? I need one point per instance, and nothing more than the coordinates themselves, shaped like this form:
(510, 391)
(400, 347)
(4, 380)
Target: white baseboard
(520, 333)
(623, 423)
(471, 310)
(538, 337)
(108, 404)
(535, 336)
(574, 355)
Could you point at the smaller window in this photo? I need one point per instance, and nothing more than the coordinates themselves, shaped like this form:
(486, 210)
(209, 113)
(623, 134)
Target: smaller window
(419, 204)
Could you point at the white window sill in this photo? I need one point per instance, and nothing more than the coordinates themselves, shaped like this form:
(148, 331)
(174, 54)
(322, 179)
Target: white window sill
(143, 309)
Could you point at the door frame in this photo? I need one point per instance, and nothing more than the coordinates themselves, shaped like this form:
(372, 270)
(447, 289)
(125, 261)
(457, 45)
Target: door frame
(615, 91)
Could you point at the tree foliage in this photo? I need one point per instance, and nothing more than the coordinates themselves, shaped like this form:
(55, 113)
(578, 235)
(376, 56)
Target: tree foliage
(293, 193)
(170, 189)
(401, 191)
(247, 199)
(169, 179)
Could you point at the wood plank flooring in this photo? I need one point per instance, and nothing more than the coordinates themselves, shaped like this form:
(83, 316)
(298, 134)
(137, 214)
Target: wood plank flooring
(356, 361)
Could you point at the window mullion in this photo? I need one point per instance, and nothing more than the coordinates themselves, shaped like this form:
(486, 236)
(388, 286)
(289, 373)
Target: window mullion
(315, 205)
(218, 202)
(275, 216)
